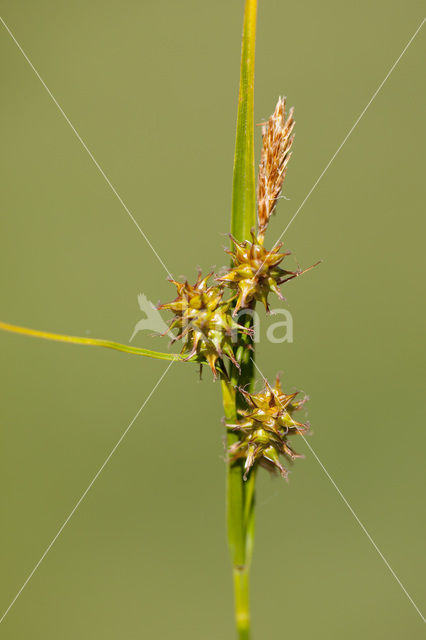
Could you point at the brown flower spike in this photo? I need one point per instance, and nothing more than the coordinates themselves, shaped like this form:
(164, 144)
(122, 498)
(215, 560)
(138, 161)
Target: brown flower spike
(255, 271)
(265, 427)
(275, 155)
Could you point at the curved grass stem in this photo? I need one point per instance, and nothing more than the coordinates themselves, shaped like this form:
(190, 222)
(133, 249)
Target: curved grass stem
(93, 342)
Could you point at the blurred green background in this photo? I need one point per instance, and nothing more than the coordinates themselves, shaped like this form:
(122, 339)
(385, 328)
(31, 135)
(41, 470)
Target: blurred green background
(152, 87)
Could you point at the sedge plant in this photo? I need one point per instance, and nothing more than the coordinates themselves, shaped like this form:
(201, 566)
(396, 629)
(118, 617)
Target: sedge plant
(213, 321)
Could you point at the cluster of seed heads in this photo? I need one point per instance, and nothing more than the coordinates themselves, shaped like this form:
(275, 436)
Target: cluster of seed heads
(204, 313)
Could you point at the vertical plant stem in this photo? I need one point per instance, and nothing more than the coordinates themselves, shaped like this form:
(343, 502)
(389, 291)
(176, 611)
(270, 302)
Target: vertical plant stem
(240, 515)
(241, 494)
(242, 603)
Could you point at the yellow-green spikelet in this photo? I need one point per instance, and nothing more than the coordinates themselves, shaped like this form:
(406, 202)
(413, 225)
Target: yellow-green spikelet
(255, 272)
(204, 321)
(264, 428)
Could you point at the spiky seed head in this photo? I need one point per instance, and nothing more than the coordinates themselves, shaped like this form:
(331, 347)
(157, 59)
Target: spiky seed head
(264, 428)
(191, 298)
(203, 320)
(255, 272)
(275, 155)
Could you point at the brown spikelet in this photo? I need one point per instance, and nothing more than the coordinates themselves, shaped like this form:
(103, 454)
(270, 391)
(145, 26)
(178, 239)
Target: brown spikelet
(277, 141)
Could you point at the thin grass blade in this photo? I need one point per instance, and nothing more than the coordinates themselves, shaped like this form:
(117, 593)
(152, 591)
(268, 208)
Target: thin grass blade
(93, 342)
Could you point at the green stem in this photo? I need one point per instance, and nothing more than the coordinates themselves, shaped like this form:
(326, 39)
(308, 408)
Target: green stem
(93, 342)
(241, 494)
(242, 603)
(240, 515)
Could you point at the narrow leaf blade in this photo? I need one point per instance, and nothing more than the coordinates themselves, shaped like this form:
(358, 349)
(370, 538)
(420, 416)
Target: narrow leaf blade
(94, 342)
(244, 191)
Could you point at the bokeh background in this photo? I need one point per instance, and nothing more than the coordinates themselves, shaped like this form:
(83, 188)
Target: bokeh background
(151, 86)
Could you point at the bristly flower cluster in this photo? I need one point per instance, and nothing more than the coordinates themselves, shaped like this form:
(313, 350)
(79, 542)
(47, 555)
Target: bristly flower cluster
(265, 427)
(255, 272)
(204, 321)
(204, 316)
